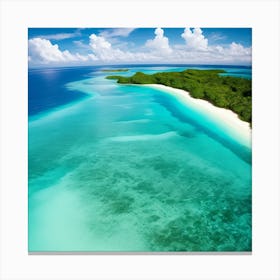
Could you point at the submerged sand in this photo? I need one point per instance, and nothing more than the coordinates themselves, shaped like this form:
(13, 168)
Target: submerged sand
(224, 118)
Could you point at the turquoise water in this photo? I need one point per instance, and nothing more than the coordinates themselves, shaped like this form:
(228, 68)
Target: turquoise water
(130, 168)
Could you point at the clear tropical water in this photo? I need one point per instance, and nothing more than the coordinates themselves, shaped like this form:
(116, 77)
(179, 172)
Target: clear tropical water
(129, 168)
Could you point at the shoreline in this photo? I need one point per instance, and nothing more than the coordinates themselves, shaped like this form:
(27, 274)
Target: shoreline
(224, 118)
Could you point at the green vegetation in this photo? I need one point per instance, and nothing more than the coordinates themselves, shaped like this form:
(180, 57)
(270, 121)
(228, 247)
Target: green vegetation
(227, 92)
(114, 70)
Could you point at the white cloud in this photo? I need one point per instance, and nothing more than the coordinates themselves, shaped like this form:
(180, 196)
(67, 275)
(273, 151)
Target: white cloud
(214, 55)
(239, 50)
(195, 40)
(93, 57)
(80, 57)
(160, 43)
(104, 51)
(42, 51)
(99, 43)
(116, 32)
(155, 50)
(81, 45)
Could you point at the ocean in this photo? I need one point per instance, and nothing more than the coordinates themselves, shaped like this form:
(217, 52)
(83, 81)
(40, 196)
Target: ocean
(128, 168)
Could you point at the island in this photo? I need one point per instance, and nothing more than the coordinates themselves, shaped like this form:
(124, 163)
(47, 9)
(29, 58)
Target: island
(114, 70)
(227, 92)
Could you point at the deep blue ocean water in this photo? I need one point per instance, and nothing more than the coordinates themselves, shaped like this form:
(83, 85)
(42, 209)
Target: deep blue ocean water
(128, 168)
(46, 88)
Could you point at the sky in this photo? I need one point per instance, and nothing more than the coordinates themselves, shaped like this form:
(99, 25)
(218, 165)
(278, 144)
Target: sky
(112, 46)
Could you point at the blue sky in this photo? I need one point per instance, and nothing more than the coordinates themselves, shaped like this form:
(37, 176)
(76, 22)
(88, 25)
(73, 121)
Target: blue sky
(97, 46)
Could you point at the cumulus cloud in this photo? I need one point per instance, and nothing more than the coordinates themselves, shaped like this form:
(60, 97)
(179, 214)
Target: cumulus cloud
(195, 40)
(44, 52)
(231, 54)
(237, 53)
(99, 43)
(104, 51)
(160, 43)
(238, 49)
(81, 44)
(155, 50)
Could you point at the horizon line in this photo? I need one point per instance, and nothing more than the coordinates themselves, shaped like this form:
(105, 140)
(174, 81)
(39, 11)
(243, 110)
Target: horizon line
(140, 64)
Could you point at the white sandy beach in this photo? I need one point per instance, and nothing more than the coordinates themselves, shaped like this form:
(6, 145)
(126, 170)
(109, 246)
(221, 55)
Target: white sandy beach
(226, 119)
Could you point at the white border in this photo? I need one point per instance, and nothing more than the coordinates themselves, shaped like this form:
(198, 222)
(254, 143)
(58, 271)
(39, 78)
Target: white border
(17, 16)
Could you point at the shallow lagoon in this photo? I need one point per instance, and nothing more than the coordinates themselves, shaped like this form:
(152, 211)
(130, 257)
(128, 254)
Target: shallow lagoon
(130, 168)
